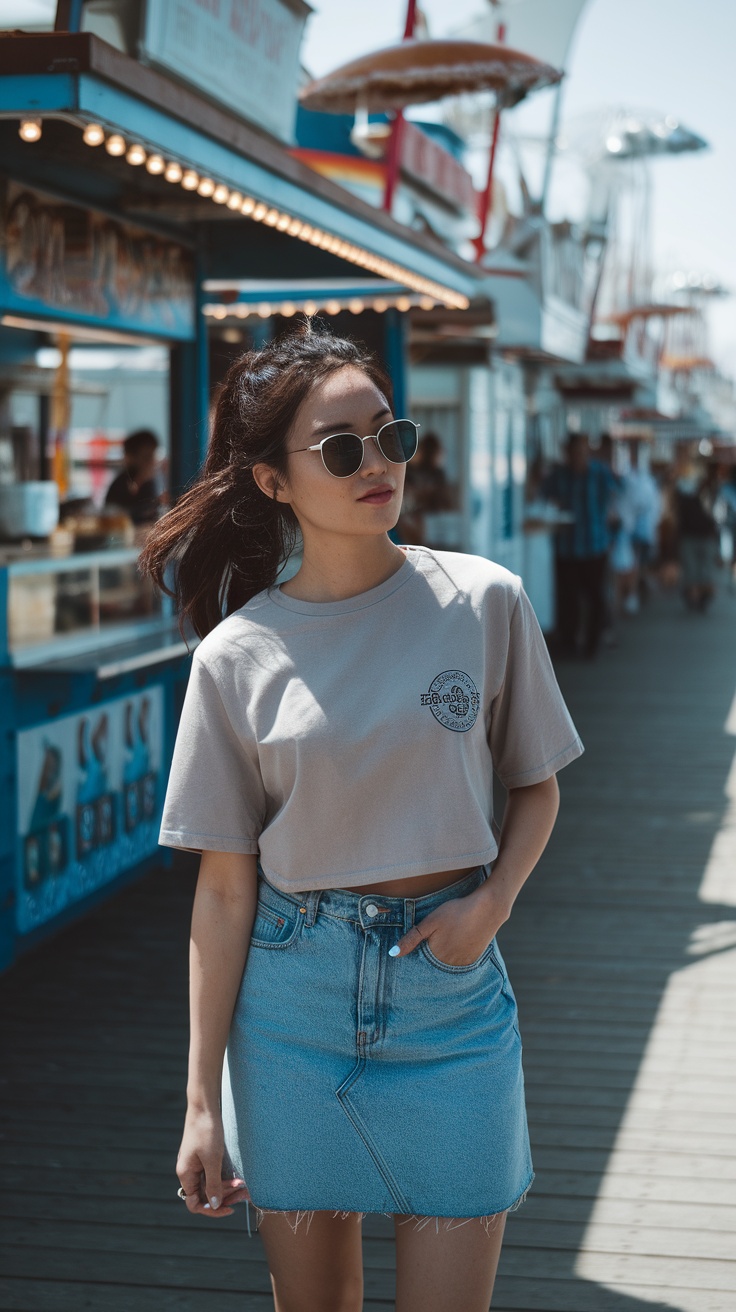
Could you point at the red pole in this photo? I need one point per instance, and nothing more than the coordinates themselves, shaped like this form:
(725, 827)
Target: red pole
(393, 153)
(486, 199)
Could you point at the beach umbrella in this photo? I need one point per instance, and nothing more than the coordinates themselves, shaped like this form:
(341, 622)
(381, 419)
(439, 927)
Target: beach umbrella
(417, 72)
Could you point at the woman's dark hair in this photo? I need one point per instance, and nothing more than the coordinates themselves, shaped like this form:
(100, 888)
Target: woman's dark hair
(227, 539)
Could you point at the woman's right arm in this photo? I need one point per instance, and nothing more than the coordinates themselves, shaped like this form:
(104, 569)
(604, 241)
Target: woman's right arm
(222, 921)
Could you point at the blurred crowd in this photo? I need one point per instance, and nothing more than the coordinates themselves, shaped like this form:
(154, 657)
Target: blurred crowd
(630, 527)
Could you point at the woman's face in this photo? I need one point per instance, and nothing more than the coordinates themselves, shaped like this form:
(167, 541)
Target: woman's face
(367, 503)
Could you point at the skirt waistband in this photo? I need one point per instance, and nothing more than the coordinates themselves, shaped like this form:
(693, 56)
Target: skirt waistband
(367, 909)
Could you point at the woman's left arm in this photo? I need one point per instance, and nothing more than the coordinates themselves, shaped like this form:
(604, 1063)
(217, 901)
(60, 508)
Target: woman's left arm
(528, 821)
(460, 929)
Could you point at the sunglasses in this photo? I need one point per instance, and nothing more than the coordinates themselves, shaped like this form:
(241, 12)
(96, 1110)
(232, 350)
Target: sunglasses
(342, 453)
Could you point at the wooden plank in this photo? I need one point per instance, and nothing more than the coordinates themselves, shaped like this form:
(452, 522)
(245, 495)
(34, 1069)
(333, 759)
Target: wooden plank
(217, 1243)
(43, 1295)
(172, 1271)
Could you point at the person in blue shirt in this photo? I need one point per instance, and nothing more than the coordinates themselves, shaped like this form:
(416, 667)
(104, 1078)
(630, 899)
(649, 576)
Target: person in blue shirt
(584, 488)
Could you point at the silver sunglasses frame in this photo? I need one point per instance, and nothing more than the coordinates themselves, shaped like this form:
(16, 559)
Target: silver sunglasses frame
(375, 436)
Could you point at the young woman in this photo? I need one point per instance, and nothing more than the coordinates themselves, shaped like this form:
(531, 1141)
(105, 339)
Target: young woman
(354, 1037)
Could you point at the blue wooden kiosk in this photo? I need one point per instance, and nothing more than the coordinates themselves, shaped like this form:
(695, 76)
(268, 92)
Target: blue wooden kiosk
(152, 191)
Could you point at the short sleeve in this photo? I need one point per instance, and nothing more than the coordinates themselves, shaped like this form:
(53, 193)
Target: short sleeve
(532, 735)
(215, 800)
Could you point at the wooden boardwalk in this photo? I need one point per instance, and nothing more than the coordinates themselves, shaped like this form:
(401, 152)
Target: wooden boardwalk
(622, 951)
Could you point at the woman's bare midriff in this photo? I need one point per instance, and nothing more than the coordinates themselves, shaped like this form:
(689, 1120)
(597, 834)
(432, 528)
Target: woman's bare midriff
(417, 886)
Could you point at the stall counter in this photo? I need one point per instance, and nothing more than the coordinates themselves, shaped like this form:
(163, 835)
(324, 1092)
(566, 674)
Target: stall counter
(93, 671)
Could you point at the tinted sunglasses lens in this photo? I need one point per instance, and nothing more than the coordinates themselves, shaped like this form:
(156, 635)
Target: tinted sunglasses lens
(343, 454)
(398, 441)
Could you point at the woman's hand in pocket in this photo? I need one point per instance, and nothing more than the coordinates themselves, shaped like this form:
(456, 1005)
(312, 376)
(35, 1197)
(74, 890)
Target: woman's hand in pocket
(457, 931)
(199, 1167)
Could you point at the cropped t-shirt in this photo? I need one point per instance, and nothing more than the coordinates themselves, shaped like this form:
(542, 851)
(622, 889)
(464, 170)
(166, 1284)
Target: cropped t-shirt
(350, 742)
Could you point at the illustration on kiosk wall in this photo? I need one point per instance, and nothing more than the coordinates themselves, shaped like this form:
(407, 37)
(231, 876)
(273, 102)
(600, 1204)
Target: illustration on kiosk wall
(89, 798)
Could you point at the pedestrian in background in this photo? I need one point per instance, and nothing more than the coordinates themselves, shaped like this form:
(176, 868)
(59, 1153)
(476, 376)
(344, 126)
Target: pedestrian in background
(698, 539)
(345, 725)
(136, 488)
(584, 487)
(648, 507)
(724, 512)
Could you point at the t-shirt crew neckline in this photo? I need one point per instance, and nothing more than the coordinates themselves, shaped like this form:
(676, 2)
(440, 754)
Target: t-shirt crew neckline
(359, 601)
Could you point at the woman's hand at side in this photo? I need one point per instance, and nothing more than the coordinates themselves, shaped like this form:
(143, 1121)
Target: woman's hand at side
(222, 921)
(199, 1166)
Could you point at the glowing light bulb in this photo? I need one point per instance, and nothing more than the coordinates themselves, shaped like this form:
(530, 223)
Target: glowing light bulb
(247, 205)
(380, 305)
(30, 129)
(206, 187)
(403, 303)
(287, 309)
(426, 303)
(93, 135)
(295, 227)
(260, 211)
(190, 180)
(155, 164)
(115, 145)
(283, 223)
(234, 200)
(333, 307)
(310, 307)
(264, 310)
(356, 306)
(272, 218)
(221, 194)
(135, 154)
(173, 172)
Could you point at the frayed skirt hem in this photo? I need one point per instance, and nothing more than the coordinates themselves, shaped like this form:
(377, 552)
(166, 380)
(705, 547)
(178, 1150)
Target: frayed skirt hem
(488, 1220)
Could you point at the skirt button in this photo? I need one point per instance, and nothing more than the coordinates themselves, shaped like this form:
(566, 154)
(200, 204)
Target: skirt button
(371, 909)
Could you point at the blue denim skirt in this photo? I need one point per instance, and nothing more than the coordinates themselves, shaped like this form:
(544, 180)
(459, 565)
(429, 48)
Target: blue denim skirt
(356, 1082)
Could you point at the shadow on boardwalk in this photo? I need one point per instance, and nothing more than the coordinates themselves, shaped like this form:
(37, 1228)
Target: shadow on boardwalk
(624, 967)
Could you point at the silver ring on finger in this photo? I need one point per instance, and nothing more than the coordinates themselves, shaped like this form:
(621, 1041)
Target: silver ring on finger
(180, 1193)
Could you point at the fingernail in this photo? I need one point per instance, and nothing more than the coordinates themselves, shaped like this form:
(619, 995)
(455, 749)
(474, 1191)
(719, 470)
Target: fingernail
(215, 1203)
(394, 951)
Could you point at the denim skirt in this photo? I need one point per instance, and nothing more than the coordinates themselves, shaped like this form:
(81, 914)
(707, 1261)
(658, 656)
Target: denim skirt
(356, 1082)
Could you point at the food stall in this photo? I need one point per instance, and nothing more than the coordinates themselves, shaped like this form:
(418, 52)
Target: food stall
(92, 664)
(123, 191)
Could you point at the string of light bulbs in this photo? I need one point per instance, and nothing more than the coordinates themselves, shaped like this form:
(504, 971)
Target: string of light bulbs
(219, 310)
(138, 156)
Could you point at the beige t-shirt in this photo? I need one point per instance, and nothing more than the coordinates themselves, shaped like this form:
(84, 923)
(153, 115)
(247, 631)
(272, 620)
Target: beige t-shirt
(354, 741)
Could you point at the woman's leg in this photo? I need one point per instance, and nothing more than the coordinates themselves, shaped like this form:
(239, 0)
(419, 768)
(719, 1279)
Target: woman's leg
(442, 1270)
(315, 1261)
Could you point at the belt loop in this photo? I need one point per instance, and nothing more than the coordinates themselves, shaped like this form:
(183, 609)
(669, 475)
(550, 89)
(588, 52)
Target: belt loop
(311, 902)
(408, 914)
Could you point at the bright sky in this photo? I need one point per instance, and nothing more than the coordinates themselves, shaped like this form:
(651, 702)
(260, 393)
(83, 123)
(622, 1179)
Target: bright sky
(671, 56)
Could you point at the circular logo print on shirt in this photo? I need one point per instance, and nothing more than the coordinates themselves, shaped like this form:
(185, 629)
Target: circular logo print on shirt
(453, 700)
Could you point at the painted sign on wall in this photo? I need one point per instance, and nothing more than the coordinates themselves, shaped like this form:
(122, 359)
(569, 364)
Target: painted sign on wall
(89, 801)
(60, 257)
(244, 53)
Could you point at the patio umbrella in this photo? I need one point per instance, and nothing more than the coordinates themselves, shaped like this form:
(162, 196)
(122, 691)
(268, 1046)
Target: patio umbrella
(415, 72)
